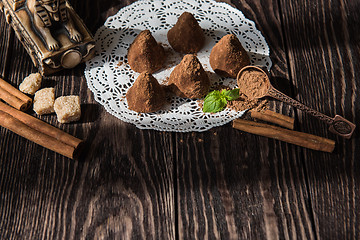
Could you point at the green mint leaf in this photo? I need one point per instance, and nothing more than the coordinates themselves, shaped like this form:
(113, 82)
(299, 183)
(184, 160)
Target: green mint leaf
(231, 94)
(214, 102)
(214, 93)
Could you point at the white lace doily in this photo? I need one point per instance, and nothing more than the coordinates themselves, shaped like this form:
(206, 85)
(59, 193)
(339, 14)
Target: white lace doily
(109, 76)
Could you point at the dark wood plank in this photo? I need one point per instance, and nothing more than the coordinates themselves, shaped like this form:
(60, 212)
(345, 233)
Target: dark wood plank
(100, 11)
(121, 188)
(5, 42)
(221, 184)
(233, 185)
(323, 48)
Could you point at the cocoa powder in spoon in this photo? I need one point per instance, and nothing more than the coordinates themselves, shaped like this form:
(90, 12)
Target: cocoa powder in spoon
(252, 83)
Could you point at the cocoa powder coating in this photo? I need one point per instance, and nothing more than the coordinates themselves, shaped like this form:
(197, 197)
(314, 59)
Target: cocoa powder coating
(228, 56)
(146, 95)
(243, 103)
(145, 54)
(186, 36)
(189, 79)
(253, 83)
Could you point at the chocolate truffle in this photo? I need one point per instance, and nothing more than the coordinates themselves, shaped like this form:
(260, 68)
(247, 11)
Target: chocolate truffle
(145, 54)
(186, 36)
(146, 95)
(188, 79)
(228, 56)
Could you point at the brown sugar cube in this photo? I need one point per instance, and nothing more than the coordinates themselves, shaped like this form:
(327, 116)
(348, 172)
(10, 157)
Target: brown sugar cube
(67, 108)
(44, 101)
(31, 83)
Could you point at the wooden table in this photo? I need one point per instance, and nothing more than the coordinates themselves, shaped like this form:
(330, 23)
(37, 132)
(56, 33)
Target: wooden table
(220, 184)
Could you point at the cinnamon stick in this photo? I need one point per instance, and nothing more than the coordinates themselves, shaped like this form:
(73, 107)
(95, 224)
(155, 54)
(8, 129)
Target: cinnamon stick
(298, 138)
(12, 100)
(13, 96)
(41, 126)
(274, 117)
(20, 128)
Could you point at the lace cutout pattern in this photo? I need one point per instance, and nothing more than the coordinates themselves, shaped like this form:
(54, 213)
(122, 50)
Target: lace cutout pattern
(109, 76)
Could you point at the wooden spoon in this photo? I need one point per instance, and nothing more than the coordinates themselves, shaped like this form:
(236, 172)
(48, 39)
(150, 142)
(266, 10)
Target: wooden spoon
(338, 124)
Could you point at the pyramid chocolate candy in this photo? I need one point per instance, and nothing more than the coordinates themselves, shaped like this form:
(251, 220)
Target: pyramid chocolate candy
(228, 56)
(146, 95)
(189, 79)
(145, 54)
(186, 36)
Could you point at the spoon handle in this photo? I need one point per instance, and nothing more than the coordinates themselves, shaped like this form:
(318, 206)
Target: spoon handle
(338, 125)
(284, 98)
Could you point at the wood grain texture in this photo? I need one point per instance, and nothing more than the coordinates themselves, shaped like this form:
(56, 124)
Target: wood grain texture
(220, 184)
(122, 187)
(324, 64)
(233, 185)
(5, 42)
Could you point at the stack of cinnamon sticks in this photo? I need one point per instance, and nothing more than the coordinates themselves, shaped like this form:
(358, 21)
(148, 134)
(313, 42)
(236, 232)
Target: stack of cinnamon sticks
(13, 96)
(287, 135)
(30, 127)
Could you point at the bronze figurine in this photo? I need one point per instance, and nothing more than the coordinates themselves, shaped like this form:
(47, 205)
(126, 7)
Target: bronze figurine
(52, 33)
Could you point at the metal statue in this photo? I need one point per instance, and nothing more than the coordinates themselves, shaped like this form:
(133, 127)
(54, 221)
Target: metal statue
(50, 30)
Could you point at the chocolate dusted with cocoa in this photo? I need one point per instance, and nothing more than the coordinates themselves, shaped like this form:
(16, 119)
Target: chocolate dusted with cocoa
(228, 56)
(146, 95)
(189, 79)
(186, 36)
(145, 54)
